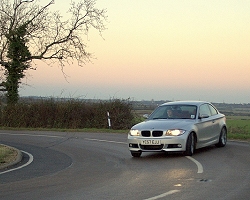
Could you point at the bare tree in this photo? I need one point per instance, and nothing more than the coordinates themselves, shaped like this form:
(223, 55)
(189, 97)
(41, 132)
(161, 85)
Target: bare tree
(29, 31)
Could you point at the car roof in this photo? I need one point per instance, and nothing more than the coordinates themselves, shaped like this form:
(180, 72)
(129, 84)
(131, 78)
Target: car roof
(196, 103)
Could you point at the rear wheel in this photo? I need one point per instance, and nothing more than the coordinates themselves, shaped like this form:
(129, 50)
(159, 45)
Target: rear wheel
(136, 153)
(190, 146)
(223, 138)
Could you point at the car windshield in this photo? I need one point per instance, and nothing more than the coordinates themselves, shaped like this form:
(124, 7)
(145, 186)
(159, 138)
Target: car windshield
(174, 112)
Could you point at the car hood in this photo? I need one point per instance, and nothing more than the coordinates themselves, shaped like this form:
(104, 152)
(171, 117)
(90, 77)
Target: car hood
(163, 124)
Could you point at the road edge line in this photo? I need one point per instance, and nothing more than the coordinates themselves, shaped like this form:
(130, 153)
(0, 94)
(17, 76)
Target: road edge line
(199, 165)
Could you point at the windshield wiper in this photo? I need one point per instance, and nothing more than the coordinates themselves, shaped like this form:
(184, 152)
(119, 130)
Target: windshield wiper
(159, 118)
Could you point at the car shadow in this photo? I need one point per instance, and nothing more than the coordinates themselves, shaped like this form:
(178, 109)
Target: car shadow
(161, 155)
(205, 149)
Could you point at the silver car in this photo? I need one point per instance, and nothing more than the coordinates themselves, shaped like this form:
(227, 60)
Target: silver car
(180, 126)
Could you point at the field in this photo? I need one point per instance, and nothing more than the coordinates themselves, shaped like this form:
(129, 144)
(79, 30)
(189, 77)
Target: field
(238, 127)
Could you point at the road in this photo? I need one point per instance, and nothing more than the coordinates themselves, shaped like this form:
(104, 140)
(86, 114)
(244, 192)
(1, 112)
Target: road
(69, 165)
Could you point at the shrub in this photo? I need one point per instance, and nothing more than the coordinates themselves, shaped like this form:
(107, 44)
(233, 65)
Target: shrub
(69, 113)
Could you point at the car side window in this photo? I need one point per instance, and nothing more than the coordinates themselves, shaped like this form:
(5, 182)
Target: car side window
(213, 110)
(204, 110)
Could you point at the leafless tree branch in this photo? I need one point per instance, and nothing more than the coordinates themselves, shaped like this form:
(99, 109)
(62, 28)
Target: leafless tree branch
(49, 36)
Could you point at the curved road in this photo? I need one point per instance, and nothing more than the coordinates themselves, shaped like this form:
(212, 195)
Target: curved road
(99, 166)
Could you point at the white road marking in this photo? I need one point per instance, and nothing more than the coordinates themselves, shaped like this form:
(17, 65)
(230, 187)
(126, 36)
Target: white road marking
(26, 164)
(200, 168)
(163, 195)
(110, 141)
(33, 135)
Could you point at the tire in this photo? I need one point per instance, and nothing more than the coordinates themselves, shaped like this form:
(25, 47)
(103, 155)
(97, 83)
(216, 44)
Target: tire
(136, 154)
(223, 138)
(190, 146)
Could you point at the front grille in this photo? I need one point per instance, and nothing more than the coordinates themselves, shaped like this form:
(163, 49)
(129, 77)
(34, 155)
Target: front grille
(145, 133)
(154, 133)
(157, 133)
(151, 147)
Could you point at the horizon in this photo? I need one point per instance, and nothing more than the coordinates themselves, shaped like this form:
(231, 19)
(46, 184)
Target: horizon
(122, 99)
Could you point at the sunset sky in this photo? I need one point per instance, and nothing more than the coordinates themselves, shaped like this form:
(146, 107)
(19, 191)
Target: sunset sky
(161, 50)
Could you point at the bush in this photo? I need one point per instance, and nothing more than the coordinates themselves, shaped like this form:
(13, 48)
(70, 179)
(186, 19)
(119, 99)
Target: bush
(69, 114)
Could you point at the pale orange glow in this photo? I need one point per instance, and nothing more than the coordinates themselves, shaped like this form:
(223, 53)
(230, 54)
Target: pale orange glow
(161, 49)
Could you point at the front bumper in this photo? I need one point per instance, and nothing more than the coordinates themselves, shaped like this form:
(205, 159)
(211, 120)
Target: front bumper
(167, 143)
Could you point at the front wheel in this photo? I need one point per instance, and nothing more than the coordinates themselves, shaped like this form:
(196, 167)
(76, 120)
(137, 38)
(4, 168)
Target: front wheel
(190, 145)
(223, 138)
(136, 153)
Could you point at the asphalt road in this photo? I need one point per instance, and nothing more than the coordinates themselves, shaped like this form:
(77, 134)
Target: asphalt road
(99, 166)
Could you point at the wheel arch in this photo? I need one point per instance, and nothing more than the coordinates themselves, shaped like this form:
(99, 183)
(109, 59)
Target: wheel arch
(195, 138)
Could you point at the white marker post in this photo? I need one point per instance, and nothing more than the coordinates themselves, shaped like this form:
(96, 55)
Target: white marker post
(109, 121)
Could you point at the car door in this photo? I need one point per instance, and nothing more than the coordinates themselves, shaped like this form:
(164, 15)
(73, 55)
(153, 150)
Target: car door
(205, 126)
(216, 123)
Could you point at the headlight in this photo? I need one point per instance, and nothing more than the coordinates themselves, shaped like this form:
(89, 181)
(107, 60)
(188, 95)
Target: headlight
(175, 132)
(134, 133)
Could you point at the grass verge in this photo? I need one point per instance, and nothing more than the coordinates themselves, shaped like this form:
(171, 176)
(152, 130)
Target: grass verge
(239, 129)
(86, 130)
(7, 155)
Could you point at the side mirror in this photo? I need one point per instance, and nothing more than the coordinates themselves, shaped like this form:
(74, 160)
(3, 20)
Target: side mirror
(203, 116)
(146, 116)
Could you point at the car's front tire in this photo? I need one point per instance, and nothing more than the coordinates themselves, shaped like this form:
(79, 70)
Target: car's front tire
(223, 138)
(136, 153)
(190, 145)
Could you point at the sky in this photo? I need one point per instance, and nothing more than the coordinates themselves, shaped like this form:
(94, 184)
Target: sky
(160, 50)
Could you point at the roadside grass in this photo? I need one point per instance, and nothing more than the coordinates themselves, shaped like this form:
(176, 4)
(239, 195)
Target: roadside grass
(6, 154)
(85, 130)
(238, 128)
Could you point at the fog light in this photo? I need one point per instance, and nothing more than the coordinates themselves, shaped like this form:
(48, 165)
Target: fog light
(133, 145)
(179, 145)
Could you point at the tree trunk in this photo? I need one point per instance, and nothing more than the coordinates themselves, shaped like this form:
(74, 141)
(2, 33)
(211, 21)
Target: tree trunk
(12, 85)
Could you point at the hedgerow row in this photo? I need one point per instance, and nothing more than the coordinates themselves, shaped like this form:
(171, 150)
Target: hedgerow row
(69, 114)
